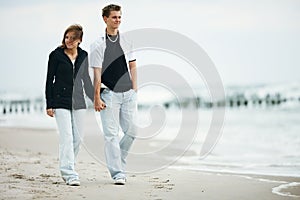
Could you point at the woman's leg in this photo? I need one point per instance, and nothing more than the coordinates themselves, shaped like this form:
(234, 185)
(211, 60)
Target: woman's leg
(66, 150)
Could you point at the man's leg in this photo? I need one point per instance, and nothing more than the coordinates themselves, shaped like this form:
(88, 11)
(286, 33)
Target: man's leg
(127, 121)
(110, 123)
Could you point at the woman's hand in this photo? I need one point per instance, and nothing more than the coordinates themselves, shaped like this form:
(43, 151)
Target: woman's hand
(99, 104)
(50, 112)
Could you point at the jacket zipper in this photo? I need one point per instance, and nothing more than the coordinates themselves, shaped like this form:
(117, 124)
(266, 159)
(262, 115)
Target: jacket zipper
(73, 76)
(73, 101)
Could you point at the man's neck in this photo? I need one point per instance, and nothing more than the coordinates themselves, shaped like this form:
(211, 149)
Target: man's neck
(111, 31)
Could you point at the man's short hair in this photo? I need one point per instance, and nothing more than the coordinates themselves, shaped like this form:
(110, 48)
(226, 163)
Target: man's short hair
(111, 7)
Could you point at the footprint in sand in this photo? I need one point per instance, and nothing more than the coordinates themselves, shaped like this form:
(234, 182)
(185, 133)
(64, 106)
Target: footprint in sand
(18, 176)
(162, 184)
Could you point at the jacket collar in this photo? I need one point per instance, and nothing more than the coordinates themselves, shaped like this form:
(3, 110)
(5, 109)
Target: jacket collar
(60, 51)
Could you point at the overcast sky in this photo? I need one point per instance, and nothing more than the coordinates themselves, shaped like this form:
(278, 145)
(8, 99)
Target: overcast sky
(250, 42)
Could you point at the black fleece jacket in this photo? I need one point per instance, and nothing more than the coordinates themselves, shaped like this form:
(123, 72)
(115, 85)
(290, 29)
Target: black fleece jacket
(64, 84)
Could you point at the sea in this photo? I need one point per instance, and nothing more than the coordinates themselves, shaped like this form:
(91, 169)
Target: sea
(254, 139)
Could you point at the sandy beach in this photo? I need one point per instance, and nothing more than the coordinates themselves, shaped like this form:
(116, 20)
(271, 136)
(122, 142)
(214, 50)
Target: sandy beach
(29, 170)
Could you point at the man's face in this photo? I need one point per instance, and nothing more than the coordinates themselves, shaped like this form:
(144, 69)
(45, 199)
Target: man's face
(114, 19)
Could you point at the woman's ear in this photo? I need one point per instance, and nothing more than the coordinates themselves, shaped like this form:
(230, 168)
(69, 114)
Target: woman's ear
(80, 40)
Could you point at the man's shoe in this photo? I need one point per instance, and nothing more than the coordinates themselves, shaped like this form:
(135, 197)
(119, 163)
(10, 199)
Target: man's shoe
(74, 183)
(120, 181)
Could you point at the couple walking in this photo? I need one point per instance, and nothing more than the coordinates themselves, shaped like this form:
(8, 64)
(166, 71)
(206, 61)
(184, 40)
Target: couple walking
(113, 94)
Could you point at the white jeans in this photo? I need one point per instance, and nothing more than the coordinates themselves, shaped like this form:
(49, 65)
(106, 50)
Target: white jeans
(69, 123)
(120, 111)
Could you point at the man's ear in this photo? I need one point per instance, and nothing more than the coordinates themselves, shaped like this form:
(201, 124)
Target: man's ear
(105, 19)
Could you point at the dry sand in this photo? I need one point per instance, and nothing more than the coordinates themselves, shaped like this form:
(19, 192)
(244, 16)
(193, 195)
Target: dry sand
(29, 170)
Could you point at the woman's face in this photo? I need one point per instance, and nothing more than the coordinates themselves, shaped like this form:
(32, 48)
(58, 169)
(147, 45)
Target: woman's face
(70, 40)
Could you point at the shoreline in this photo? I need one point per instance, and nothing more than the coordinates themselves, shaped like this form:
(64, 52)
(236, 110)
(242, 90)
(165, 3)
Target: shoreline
(29, 162)
(233, 172)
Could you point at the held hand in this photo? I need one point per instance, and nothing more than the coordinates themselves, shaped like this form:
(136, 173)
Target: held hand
(50, 112)
(99, 104)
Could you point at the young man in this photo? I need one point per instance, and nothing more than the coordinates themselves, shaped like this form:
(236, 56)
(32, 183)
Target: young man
(115, 76)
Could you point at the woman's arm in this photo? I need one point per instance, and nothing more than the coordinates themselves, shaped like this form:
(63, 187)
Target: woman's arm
(87, 83)
(52, 65)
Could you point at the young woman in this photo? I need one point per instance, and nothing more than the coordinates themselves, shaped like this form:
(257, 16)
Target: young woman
(66, 77)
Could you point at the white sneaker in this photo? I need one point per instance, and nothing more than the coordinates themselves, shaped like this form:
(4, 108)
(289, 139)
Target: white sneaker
(74, 183)
(120, 181)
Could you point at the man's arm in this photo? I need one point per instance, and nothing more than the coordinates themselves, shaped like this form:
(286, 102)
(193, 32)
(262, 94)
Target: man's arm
(98, 103)
(133, 73)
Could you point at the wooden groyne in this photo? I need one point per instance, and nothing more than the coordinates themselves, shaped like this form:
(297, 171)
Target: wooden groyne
(239, 100)
(23, 106)
(234, 101)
